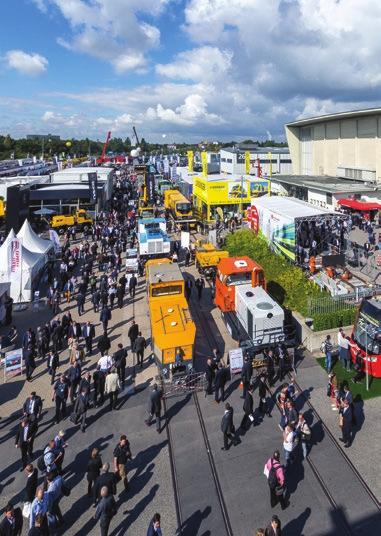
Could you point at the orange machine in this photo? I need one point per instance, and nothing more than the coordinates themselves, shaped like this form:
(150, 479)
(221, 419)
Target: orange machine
(233, 271)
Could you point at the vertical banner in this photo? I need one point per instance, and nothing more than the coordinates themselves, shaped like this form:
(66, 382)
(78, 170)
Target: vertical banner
(204, 163)
(150, 187)
(93, 187)
(190, 161)
(14, 259)
(174, 172)
(271, 164)
(55, 239)
(247, 162)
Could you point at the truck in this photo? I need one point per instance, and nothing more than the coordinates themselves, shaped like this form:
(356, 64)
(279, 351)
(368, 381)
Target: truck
(153, 238)
(80, 220)
(289, 225)
(207, 257)
(179, 206)
(162, 184)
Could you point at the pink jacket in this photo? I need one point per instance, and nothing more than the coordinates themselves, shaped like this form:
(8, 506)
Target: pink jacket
(279, 469)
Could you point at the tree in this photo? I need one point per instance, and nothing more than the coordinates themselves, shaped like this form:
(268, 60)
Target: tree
(8, 142)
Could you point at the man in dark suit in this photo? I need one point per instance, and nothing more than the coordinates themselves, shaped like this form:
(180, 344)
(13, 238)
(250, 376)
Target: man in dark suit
(104, 317)
(31, 483)
(29, 362)
(57, 336)
(227, 427)
(246, 373)
(154, 407)
(32, 407)
(139, 346)
(154, 528)
(29, 338)
(25, 435)
(105, 511)
(133, 332)
(120, 357)
(88, 333)
(248, 406)
(132, 285)
(219, 383)
(104, 479)
(12, 522)
(347, 419)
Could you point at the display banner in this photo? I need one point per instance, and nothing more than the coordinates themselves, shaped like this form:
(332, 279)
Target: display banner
(204, 163)
(247, 162)
(14, 258)
(55, 239)
(93, 186)
(190, 161)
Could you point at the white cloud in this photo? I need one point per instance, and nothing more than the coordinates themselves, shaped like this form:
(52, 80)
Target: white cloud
(193, 110)
(58, 120)
(29, 64)
(199, 64)
(111, 30)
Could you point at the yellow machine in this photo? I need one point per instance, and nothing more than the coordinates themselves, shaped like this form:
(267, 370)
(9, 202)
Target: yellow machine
(208, 256)
(145, 210)
(173, 331)
(79, 219)
(179, 206)
(2, 209)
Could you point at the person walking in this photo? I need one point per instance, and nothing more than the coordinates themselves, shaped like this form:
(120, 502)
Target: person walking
(88, 333)
(188, 289)
(12, 523)
(227, 427)
(154, 407)
(262, 392)
(120, 360)
(31, 483)
(327, 348)
(112, 386)
(95, 299)
(248, 408)
(105, 317)
(303, 431)
(73, 376)
(32, 407)
(289, 444)
(40, 506)
(25, 435)
(246, 373)
(210, 374)
(80, 409)
(93, 470)
(105, 511)
(104, 344)
(106, 478)
(154, 528)
(132, 285)
(345, 421)
(80, 303)
(219, 383)
(276, 480)
(274, 528)
(53, 363)
(29, 361)
(200, 285)
(133, 333)
(122, 453)
(139, 346)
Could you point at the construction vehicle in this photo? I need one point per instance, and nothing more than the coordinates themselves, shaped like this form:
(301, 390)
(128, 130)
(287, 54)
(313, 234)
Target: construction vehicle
(173, 331)
(179, 206)
(80, 220)
(249, 312)
(207, 257)
(162, 184)
(102, 158)
(153, 238)
(2, 210)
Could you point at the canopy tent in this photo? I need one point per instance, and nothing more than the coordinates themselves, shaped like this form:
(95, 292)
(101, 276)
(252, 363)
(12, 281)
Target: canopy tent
(32, 241)
(31, 265)
(361, 206)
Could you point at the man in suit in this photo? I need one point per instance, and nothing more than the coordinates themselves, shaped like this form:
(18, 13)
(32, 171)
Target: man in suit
(104, 479)
(219, 383)
(80, 303)
(139, 346)
(154, 528)
(88, 333)
(73, 376)
(95, 299)
(246, 373)
(227, 427)
(133, 332)
(104, 317)
(29, 362)
(29, 338)
(105, 511)
(25, 435)
(31, 483)
(12, 522)
(210, 374)
(346, 426)
(248, 406)
(120, 357)
(80, 408)
(154, 407)
(32, 407)
(60, 394)
(132, 285)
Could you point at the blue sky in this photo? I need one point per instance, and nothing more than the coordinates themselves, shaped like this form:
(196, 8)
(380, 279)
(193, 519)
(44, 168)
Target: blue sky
(184, 69)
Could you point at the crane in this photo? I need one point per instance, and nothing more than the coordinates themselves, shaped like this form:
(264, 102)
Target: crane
(102, 158)
(136, 136)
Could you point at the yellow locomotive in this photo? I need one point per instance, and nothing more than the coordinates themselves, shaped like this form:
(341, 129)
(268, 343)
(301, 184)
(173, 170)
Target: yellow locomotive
(173, 331)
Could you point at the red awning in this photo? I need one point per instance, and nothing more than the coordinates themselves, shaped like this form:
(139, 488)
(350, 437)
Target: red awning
(362, 206)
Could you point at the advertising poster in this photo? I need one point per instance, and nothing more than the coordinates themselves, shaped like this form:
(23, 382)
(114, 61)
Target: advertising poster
(278, 229)
(13, 363)
(247, 162)
(259, 187)
(150, 186)
(190, 161)
(14, 259)
(204, 163)
(236, 360)
(93, 186)
(237, 190)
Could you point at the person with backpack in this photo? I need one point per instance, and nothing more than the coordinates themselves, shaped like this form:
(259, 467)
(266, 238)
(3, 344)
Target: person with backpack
(327, 348)
(304, 433)
(274, 472)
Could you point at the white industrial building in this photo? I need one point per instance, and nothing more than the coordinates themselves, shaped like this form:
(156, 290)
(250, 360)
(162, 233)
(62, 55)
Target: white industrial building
(273, 160)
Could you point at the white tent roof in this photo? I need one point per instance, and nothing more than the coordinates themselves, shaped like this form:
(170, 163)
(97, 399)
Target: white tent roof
(31, 241)
(4, 245)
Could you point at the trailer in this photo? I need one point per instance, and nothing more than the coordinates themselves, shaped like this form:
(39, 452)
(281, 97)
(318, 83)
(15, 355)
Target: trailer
(153, 238)
(292, 226)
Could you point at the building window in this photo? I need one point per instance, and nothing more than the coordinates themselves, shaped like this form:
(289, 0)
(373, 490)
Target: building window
(286, 161)
(267, 161)
(229, 160)
(223, 159)
(329, 199)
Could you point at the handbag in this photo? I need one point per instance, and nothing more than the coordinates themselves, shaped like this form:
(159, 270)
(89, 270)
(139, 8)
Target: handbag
(279, 490)
(26, 509)
(74, 418)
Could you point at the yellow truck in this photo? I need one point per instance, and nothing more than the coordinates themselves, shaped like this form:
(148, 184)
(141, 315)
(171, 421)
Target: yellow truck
(80, 220)
(2, 210)
(207, 257)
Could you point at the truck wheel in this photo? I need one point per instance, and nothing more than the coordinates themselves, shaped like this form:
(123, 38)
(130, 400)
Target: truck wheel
(85, 228)
(61, 231)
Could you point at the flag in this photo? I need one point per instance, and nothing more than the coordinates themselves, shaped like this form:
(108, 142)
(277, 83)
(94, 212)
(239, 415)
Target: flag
(204, 163)
(55, 239)
(93, 186)
(247, 162)
(190, 161)
(14, 259)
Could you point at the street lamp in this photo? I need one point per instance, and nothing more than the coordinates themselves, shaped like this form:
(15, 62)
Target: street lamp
(366, 355)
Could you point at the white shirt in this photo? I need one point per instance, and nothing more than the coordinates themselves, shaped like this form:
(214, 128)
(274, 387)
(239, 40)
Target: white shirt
(343, 342)
(105, 362)
(289, 443)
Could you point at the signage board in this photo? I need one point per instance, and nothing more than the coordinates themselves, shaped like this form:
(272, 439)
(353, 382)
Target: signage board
(236, 360)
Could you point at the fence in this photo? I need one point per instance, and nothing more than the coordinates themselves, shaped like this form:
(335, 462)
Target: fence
(331, 304)
(187, 383)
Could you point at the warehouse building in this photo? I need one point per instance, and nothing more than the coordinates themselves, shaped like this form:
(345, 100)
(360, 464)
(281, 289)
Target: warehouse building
(345, 145)
(273, 160)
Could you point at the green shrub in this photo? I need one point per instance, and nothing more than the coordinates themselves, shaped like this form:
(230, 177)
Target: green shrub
(337, 319)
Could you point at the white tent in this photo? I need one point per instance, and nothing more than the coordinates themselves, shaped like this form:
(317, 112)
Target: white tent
(32, 241)
(31, 265)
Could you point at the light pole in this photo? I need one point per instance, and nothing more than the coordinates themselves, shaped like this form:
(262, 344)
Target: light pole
(366, 360)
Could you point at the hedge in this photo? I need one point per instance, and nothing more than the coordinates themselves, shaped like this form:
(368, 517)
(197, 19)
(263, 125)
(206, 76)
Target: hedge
(285, 282)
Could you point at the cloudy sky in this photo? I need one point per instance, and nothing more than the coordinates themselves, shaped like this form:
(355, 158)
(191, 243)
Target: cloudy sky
(189, 69)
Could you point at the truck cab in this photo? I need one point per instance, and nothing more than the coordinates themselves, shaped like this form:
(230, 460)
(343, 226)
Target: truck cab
(80, 219)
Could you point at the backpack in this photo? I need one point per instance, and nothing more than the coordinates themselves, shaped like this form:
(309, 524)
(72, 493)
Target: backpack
(272, 478)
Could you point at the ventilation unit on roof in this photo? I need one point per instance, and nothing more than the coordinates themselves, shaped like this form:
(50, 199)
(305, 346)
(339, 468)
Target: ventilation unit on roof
(356, 174)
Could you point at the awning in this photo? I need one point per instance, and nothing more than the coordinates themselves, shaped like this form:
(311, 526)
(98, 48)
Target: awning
(362, 206)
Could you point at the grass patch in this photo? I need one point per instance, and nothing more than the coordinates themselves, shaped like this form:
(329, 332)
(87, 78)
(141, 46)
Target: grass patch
(356, 388)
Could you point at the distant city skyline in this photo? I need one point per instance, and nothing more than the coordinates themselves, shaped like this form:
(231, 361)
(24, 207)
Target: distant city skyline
(184, 69)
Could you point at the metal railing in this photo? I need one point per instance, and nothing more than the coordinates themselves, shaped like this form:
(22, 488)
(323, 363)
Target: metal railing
(186, 383)
(331, 304)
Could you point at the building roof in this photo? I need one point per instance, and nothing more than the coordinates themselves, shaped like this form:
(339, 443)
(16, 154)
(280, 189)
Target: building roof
(333, 185)
(256, 150)
(290, 207)
(164, 273)
(352, 114)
